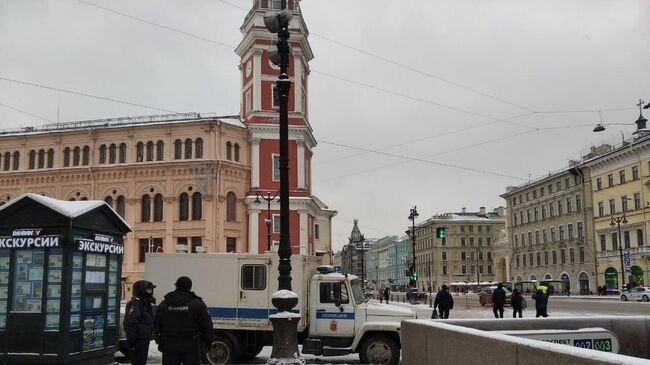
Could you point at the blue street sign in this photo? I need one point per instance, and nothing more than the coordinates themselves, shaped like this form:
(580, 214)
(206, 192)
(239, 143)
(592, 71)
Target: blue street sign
(627, 258)
(337, 268)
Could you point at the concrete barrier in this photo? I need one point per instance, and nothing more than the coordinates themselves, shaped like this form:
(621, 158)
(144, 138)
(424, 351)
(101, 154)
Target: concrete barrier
(471, 342)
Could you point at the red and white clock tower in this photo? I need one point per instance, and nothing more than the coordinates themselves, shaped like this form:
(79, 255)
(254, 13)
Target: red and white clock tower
(310, 218)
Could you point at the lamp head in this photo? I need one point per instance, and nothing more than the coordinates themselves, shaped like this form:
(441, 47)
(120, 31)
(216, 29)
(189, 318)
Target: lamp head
(599, 128)
(257, 200)
(271, 21)
(612, 223)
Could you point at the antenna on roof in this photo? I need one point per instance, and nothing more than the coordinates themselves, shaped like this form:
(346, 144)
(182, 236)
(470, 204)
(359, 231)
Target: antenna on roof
(58, 110)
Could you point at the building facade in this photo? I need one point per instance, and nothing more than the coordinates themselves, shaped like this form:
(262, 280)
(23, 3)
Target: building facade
(620, 181)
(465, 251)
(387, 263)
(550, 231)
(352, 254)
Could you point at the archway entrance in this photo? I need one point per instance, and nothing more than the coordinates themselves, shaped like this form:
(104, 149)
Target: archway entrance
(611, 278)
(637, 275)
(584, 283)
(548, 276)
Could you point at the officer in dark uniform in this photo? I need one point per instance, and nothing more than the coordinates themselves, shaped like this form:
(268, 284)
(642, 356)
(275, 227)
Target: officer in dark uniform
(183, 327)
(138, 321)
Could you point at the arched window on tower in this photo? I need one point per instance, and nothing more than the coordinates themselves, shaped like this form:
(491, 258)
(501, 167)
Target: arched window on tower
(228, 150)
(50, 158)
(7, 161)
(158, 208)
(160, 151)
(41, 158)
(122, 153)
(183, 207)
(32, 159)
(16, 165)
(139, 152)
(112, 153)
(188, 148)
(102, 154)
(85, 156)
(145, 214)
(120, 206)
(199, 148)
(76, 156)
(109, 201)
(236, 152)
(150, 151)
(66, 157)
(231, 207)
(196, 206)
(178, 147)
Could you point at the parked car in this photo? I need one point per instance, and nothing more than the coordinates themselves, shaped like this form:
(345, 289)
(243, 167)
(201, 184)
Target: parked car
(485, 296)
(641, 293)
(415, 294)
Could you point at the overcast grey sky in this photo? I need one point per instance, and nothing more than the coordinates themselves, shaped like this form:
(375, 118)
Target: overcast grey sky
(529, 56)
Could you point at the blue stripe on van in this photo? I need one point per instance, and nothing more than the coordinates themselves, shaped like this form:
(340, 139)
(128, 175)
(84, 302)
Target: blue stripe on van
(251, 313)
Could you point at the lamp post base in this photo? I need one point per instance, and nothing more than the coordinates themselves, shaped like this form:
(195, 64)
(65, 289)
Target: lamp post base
(285, 330)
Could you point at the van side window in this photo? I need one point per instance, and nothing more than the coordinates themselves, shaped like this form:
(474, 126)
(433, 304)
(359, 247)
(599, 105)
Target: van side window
(330, 291)
(253, 277)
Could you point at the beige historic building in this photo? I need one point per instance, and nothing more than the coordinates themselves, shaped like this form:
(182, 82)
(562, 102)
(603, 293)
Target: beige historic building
(465, 251)
(178, 180)
(550, 231)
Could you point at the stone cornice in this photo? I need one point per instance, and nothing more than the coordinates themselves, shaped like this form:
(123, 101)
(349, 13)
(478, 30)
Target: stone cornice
(621, 157)
(296, 133)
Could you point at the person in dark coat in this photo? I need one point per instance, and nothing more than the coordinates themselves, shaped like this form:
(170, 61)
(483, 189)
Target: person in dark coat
(517, 303)
(386, 294)
(444, 302)
(138, 322)
(540, 303)
(498, 301)
(183, 327)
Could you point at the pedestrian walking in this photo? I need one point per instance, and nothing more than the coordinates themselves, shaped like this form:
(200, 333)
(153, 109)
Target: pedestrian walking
(498, 301)
(381, 295)
(540, 303)
(183, 327)
(444, 302)
(138, 322)
(517, 303)
(386, 294)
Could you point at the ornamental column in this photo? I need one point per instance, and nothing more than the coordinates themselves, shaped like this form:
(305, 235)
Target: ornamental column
(300, 157)
(304, 232)
(253, 231)
(255, 162)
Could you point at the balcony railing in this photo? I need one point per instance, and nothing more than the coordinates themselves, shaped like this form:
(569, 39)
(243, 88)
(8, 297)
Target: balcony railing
(634, 251)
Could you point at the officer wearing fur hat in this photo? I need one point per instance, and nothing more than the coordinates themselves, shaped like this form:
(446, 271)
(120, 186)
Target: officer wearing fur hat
(138, 321)
(183, 327)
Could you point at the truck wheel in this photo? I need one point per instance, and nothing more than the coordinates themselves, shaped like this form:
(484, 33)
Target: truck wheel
(222, 351)
(379, 349)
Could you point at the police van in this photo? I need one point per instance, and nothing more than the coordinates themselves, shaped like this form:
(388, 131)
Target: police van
(336, 318)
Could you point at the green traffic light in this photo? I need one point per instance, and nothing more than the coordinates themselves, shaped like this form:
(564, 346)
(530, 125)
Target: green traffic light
(440, 232)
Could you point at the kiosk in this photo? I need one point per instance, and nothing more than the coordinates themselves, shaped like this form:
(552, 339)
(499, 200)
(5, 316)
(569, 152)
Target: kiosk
(60, 269)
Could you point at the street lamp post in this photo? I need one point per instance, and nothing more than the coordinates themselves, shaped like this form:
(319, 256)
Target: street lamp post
(363, 263)
(477, 250)
(285, 334)
(617, 221)
(413, 214)
(268, 199)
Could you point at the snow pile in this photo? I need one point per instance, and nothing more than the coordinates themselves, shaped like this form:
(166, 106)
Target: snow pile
(288, 315)
(284, 294)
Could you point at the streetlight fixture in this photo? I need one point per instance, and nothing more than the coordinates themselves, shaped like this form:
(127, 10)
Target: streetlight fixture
(478, 285)
(268, 199)
(413, 214)
(285, 334)
(616, 222)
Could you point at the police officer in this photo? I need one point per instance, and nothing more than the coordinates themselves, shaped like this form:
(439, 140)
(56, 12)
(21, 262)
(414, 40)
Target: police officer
(138, 322)
(183, 327)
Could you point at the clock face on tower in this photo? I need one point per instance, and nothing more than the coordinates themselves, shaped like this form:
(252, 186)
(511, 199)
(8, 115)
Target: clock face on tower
(249, 68)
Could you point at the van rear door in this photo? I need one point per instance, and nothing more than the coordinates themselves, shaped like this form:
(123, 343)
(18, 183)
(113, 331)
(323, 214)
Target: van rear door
(253, 299)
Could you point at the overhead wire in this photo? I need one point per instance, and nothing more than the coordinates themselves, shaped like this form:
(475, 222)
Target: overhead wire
(25, 112)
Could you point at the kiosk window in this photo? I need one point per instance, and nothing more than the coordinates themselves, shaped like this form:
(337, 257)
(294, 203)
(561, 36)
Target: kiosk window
(253, 277)
(4, 286)
(329, 292)
(54, 276)
(95, 271)
(111, 316)
(75, 290)
(28, 281)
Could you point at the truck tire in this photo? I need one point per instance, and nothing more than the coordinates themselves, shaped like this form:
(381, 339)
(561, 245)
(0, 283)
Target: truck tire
(379, 349)
(222, 351)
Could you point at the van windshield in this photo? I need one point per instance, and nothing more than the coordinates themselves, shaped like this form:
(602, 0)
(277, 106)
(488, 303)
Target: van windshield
(357, 291)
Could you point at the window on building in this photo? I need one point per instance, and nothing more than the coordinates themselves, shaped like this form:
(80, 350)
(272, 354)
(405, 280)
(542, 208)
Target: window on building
(228, 150)
(612, 206)
(516, 241)
(530, 238)
(160, 151)
(183, 206)
(444, 270)
(109, 201)
(563, 256)
(197, 209)
(545, 257)
(560, 231)
(568, 205)
(621, 176)
(624, 203)
(139, 152)
(599, 184)
(550, 188)
(570, 230)
(545, 235)
(276, 167)
(601, 209)
(158, 208)
(626, 239)
(317, 231)
(527, 215)
(521, 217)
(488, 240)
(236, 148)
(523, 260)
(120, 205)
(559, 207)
(444, 256)
(231, 244)
(543, 212)
(515, 219)
(539, 259)
(614, 241)
(472, 268)
(198, 148)
(516, 259)
(580, 230)
(41, 158)
(112, 153)
(122, 157)
(150, 151)
(7, 161)
(462, 228)
(471, 241)
(253, 277)
(530, 259)
(76, 156)
(541, 191)
(603, 243)
(145, 208)
(610, 180)
(462, 241)
(148, 245)
(536, 237)
(196, 242)
(178, 149)
(231, 207)
(558, 186)
(32, 159)
(639, 238)
(188, 148)
(16, 164)
(85, 155)
(464, 267)
(50, 159)
(552, 234)
(554, 257)
(471, 228)
(535, 214)
(578, 203)
(444, 241)
(551, 210)
(637, 201)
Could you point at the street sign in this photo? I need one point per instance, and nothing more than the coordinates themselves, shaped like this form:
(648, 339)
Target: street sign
(627, 258)
(337, 268)
(587, 338)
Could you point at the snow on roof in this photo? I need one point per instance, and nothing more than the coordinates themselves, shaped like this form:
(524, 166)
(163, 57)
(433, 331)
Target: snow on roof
(69, 209)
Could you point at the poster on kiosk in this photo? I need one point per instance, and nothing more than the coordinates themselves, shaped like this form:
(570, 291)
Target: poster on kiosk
(60, 269)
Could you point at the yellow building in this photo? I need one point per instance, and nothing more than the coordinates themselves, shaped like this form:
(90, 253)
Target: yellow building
(620, 185)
